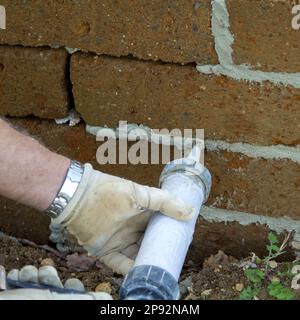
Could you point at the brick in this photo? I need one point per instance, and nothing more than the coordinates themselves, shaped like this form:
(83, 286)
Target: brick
(172, 31)
(240, 183)
(264, 37)
(232, 238)
(23, 222)
(254, 185)
(33, 82)
(210, 237)
(169, 96)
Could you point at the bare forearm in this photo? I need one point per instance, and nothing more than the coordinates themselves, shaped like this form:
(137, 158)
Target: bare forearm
(29, 172)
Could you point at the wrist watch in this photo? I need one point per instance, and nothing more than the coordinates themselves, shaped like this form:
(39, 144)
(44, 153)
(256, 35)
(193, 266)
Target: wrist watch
(67, 190)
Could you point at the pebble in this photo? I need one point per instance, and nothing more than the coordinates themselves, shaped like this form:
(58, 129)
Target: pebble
(296, 245)
(48, 262)
(296, 269)
(273, 264)
(247, 265)
(239, 287)
(275, 279)
(206, 292)
(185, 285)
(191, 296)
(296, 282)
(104, 287)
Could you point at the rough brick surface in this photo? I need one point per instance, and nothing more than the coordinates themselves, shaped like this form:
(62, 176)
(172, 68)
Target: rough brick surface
(33, 81)
(254, 185)
(263, 34)
(170, 96)
(232, 238)
(239, 183)
(173, 31)
(23, 222)
(209, 238)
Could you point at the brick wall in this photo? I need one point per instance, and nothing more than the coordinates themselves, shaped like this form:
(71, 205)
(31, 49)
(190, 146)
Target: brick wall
(224, 66)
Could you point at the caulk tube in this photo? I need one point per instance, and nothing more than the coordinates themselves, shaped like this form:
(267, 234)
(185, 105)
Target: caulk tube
(163, 250)
(167, 240)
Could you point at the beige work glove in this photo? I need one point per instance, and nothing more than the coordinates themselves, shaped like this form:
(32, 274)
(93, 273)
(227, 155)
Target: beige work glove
(108, 216)
(47, 275)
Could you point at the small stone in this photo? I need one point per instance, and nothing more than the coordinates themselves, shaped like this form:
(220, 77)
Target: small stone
(273, 264)
(47, 262)
(239, 287)
(191, 296)
(247, 265)
(296, 269)
(185, 285)
(104, 287)
(275, 279)
(296, 282)
(206, 292)
(296, 245)
(217, 259)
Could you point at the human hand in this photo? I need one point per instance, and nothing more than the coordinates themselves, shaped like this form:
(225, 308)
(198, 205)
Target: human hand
(44, 284)
(108, 216)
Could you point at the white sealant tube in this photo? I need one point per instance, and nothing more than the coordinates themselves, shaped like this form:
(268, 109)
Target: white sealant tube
(167, 240)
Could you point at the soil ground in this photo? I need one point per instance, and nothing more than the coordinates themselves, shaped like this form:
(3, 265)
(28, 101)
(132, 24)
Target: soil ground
(219, 277)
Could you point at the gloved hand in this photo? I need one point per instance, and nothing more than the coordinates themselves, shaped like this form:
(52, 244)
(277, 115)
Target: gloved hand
(47, 275)
(108, 216)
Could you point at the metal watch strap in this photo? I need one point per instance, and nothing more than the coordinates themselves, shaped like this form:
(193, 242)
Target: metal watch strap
(67, 190)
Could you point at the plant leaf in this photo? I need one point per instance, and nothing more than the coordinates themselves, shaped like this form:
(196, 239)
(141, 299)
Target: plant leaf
(254, 275)
(278, 291)
(273, 238)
